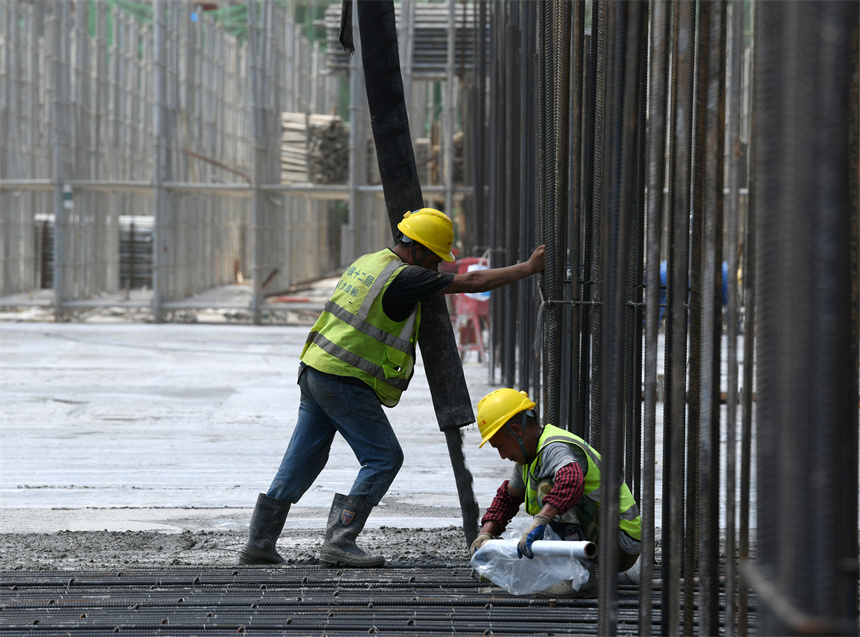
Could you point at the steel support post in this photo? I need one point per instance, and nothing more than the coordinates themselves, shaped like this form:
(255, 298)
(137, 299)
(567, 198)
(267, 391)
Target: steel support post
(257, 75)
(60, 132)
(161, 174)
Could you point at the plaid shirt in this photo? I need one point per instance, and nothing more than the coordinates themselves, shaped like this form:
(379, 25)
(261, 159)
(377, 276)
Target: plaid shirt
(568, 485)
(503, 508)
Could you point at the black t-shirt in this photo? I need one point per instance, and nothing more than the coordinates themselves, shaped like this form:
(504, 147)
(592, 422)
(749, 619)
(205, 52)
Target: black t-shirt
(413, 285)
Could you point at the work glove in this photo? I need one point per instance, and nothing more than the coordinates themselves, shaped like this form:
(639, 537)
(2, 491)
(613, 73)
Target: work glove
(483, 536)
(534, 532)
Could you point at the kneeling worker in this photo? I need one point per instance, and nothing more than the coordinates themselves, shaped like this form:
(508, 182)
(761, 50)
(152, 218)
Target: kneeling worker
(557, 474)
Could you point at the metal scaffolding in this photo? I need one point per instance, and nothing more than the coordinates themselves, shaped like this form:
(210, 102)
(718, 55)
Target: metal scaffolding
(163, 117)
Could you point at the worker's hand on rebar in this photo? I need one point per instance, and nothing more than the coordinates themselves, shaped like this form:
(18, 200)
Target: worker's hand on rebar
(483, 536)
(534, 532)
(537, 259)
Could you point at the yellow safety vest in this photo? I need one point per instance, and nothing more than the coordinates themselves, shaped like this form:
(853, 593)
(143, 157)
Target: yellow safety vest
(354, 337)
(629, 519)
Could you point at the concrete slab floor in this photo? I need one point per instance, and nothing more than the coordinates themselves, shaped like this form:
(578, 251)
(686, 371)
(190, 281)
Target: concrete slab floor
(144, 426)
(175, 428)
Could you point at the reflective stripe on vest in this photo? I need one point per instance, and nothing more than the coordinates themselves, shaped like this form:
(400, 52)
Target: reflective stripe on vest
(363, 342)
(353, 320)
(356, 361)
(629, 518)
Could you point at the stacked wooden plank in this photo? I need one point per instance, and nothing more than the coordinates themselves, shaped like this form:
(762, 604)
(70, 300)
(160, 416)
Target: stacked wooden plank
(294, 143)
(314, 148)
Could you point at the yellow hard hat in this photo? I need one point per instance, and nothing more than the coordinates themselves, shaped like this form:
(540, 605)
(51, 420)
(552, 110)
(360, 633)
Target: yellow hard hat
(431, 228)
(497, 408)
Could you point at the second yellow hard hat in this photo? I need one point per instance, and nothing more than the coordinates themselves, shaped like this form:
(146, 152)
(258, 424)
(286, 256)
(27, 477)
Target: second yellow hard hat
(497, 408)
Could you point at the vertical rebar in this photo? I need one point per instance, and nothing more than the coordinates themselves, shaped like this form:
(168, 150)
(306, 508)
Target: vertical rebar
(675, 358)
(806, 360)
(545, 208)
(574, 238)
(556, 246)
(709, 536)
(598, 23)
(526, 149)
(495, 173)
(850, 461)
(749, 285)
(511, 196)
(479, 236)
(448, 113)
(623, 56)
(582, 273)
(698, 341)
(735, 62)
(635, 324)
(614, 241)
(661, 24)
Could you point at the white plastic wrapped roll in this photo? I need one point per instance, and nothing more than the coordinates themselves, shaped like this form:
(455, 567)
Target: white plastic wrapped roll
(544, 548)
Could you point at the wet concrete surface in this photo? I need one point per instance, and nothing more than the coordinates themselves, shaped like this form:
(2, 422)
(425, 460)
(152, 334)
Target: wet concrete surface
(120, 438)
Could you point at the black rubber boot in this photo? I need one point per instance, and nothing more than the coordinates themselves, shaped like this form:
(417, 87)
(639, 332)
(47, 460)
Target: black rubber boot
(345, 521)
(267, 521)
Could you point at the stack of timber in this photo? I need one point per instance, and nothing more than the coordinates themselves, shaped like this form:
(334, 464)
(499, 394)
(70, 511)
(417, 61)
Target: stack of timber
(314, 148)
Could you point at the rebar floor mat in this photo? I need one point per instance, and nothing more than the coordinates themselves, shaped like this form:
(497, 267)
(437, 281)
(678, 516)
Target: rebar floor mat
(429, 600)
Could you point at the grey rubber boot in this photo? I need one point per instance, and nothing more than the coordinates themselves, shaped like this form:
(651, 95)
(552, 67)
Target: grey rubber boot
(345, 521)
(267, 521)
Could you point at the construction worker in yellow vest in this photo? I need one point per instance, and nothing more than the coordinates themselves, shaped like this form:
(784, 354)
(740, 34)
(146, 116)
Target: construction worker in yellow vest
(359, 356)
(557, 475)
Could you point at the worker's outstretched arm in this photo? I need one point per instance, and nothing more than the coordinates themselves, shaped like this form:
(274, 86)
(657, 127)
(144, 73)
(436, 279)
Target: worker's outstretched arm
(486, 280)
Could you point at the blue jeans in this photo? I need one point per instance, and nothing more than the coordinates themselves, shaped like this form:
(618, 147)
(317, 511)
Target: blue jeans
(329, 406)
